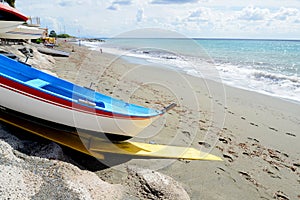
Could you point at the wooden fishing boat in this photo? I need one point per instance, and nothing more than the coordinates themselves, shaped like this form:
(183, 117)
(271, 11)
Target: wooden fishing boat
(10, 18)
(6, 26)
(43, 98)
(53, 52)
(23, 33)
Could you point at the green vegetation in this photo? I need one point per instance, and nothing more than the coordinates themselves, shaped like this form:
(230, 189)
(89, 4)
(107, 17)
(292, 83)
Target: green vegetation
(10, 2)
(52, 34)
(38, 41)
(64, 35)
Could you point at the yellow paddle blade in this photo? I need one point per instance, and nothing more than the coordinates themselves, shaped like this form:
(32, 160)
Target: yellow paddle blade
(95, 146)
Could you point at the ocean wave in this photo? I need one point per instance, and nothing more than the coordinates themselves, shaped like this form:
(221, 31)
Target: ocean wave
(276, 77)
(262, 77)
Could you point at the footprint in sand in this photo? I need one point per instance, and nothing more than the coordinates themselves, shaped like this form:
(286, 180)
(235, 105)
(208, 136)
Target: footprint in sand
(253, 139)
(243, 118)
(224, 140)
(220, 170)
(297, 165)
(280, 195)
(245, 174)
(291, 134)
(271, 173)
(235, 154)
(246, 153)
(203, 129)
(219, 103)
(186, 133)
(230, 159)
(273, 129)
(202, 121)
(253, 124)
(206, 145)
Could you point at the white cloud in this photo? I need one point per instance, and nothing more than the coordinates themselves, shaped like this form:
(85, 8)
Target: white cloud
(124, 2)
(140, 15)
(116, 5)
(68, 3)
(253, 14)
(200, 15)
(267, 23)
(173, 1)
(52, 22)
(195, 18)
(285, 13)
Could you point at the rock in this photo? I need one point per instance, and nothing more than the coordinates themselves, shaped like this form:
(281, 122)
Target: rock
(65, 181)
(18, 183)
(89, 185)
(12, 140)
(149, 184)
(6, 154)
(29, 177)
(49, 151)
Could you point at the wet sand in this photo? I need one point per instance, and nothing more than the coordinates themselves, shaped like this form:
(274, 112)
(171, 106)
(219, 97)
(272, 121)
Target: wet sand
(258, 136)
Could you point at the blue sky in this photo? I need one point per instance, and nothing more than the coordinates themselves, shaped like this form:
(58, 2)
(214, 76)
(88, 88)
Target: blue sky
(274, 19)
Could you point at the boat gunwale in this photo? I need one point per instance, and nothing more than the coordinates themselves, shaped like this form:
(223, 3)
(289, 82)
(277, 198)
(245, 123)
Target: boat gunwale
(13, 11)
(69, 103)
(74, 105)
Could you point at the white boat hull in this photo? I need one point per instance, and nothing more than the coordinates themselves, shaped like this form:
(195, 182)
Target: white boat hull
(51, 111)
(6, 26)
(23, 32)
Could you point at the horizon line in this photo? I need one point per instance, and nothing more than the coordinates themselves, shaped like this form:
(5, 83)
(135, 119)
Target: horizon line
(203, 38)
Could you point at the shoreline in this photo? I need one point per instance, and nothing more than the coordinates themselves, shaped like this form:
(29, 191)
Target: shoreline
(255, 134)
(132, 60)
(143, 59)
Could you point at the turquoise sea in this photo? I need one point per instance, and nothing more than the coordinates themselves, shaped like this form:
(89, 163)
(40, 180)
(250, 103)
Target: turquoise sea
(271, 67)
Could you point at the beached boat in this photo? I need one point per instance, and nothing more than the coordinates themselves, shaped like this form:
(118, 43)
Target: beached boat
(10, 18)
(23, 33)
(8, 25)
(31, 93)
(53, 52)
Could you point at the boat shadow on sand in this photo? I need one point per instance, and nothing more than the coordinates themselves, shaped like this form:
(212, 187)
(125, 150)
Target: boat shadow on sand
(33, 145)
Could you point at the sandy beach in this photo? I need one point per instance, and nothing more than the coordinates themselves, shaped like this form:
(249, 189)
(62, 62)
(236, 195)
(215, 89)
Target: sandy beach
(256, 135)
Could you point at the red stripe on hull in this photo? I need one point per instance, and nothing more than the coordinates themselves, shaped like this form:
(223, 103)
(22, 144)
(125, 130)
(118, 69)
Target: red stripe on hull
(54, 100)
